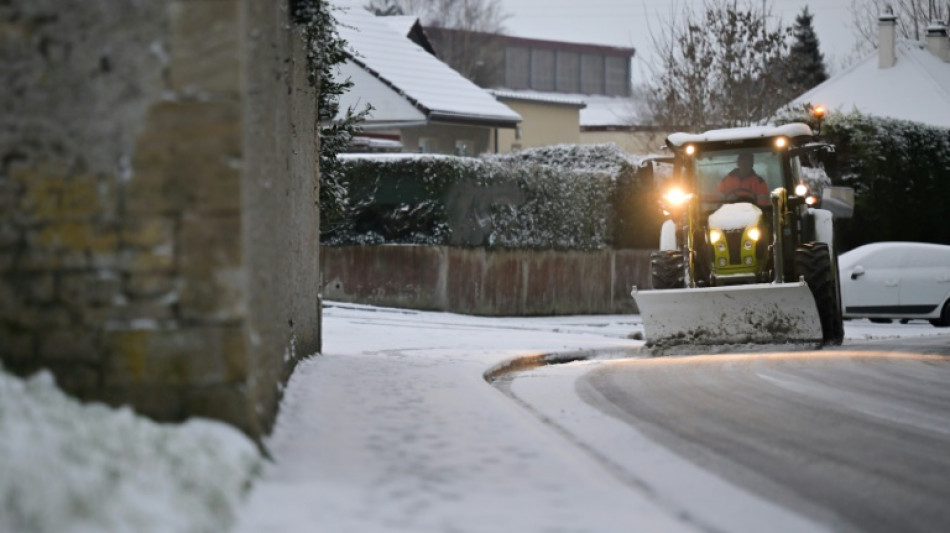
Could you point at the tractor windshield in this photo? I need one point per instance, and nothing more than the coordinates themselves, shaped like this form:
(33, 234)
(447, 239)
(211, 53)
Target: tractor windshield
(734, 175)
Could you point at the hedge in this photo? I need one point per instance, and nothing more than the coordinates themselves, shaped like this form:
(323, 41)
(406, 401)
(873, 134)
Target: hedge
(572, 197)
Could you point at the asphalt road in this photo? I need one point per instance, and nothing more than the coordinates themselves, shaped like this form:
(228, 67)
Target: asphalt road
(856, 438)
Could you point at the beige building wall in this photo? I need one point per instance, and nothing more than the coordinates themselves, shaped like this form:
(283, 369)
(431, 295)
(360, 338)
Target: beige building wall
(543, 124)
(632, 142)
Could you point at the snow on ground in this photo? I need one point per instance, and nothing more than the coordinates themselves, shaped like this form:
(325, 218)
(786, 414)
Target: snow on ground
(72, 468)
(393, 428)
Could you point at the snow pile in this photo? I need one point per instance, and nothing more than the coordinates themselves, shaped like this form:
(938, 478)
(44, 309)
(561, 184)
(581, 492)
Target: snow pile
(735, 216)
(67, 467)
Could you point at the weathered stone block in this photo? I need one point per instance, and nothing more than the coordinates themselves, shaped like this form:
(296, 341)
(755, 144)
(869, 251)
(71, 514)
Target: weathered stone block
(224, 402)
(76, 345)
(157, 401)
(19, 345)
(151, 285)
(191, 356)
(89, 289)
(157, 259)
(149, 232)
(187, 158)
(205, 46)
(81, 237)
(212, 274)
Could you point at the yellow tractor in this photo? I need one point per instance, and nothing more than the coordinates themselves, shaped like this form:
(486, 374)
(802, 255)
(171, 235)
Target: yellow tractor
(747, 252)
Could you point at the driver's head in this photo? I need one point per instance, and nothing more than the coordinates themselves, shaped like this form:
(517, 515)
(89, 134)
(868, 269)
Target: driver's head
(745, 162)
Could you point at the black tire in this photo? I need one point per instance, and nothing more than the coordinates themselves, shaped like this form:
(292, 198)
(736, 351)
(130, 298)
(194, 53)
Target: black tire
(944, 320)
(666, 267)
(813, 261)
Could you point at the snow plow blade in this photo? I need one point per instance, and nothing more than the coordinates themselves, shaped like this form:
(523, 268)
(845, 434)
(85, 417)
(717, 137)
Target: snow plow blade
(763, 313)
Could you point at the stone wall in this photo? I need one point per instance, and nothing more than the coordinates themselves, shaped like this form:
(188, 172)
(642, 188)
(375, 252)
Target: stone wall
(158, 192)
(481, 282)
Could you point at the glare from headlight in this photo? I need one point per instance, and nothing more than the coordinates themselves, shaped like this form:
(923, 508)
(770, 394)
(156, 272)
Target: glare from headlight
(676, 196)
(754, 234)
(811, 200)
(714, 236)
(801, 189)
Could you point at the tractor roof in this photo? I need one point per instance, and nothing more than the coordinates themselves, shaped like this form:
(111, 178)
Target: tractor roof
(792, 131)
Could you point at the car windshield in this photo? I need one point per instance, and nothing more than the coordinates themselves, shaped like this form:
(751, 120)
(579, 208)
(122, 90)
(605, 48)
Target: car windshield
(712, 167)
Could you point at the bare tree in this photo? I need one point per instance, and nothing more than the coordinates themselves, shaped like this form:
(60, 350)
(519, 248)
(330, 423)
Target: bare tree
(484, 16)
(721, 65)
(913, 17)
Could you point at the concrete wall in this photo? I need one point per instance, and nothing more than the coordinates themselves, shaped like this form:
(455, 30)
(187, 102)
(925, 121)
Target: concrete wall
(476, 281)
(542, 125)
(158, 219)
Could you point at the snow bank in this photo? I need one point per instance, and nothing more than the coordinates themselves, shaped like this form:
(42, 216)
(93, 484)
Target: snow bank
(67, 467)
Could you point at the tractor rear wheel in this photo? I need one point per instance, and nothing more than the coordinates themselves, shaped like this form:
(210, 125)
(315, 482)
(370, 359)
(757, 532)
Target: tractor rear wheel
(666, 267)
(813, 261)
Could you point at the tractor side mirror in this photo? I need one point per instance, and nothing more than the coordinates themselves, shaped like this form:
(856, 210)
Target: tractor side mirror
(838, 200)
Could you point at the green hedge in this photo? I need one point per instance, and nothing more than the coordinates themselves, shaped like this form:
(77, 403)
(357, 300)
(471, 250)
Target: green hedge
(900, 171)
(563, 197)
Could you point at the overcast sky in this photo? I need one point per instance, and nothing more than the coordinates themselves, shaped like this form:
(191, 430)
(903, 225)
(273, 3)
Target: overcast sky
(625, 22)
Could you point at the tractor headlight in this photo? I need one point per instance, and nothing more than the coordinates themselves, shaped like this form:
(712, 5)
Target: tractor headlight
(715, 236)
(801, 189)
(811, 200)
(676, 197)
(755, 234)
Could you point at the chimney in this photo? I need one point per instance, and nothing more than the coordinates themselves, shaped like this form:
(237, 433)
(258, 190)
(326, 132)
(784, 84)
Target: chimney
(937, 41)
(887, 30)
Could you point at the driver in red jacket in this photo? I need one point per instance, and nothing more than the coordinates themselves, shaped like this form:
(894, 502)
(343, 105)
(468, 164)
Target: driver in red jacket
(743, 182)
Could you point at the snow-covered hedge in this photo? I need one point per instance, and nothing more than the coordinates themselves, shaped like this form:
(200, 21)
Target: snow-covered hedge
(561, 197)
(900, 171)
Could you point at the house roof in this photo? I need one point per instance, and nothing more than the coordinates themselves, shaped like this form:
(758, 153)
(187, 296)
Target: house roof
(567, 100)
(433, 88)
(916, 88)
(597, 110)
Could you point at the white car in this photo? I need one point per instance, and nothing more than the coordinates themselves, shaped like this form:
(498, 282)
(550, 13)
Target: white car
(896, 280)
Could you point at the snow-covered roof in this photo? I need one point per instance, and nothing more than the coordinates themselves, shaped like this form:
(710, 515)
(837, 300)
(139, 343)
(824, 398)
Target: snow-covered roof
(916, 88)
(544, 98)
(792, 130)
(432, 87)
(401, 24)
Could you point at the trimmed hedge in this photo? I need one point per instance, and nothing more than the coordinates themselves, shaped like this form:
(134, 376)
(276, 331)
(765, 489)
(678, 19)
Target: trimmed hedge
(563, 197)
(900, 171)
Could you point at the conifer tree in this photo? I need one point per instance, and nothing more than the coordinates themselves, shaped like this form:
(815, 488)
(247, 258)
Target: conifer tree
(806, 62)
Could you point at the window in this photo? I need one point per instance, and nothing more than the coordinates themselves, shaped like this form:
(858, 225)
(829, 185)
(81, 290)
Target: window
(542, 70)
(517, 67)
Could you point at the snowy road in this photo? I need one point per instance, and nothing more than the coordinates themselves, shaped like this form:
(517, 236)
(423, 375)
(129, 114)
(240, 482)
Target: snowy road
(854, 439)
(394, 428)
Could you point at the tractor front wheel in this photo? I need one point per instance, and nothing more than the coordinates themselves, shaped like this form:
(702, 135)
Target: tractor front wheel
(813, 261)
(667, 269)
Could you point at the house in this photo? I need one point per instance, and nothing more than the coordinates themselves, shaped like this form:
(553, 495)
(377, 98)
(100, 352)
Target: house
(545, 81)
(907, 80)
(416, 99)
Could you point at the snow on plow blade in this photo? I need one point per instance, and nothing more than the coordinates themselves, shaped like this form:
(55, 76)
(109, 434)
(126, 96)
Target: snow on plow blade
(764, 313)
